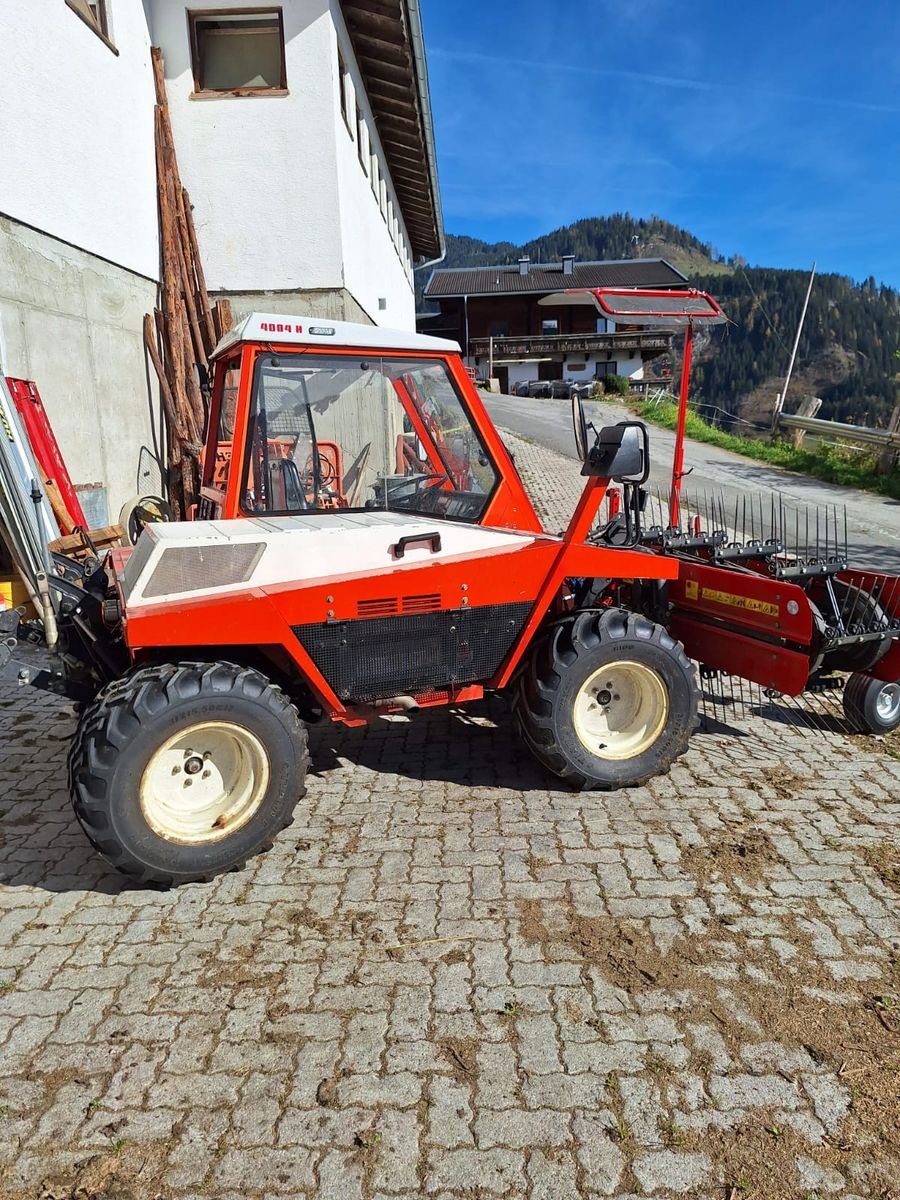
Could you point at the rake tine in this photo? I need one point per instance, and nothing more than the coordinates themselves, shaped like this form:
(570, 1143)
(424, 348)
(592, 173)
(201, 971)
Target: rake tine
(797, 708)
(807, 536)
(859, 592)
(818, 546)
(846, 542)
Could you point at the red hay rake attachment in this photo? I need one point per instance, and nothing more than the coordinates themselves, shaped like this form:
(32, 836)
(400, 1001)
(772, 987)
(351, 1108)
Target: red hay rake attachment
(766, 600)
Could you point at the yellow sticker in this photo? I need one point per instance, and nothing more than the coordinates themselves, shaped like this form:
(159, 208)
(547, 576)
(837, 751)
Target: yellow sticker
(744, 602)
(691, 590)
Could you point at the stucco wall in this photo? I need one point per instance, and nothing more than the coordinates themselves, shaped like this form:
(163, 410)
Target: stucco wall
(77, 130)
(375, 267)
(72, 323)
(280, 200)
(260, 169)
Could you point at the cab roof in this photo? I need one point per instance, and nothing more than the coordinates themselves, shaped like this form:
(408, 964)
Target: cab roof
(320, 331)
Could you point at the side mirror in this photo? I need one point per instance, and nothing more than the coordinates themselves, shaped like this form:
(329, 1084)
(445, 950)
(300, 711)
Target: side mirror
(620, 452)
(579, 426)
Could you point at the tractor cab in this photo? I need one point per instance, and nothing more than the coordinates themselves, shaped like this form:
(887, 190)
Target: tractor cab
(317, 417)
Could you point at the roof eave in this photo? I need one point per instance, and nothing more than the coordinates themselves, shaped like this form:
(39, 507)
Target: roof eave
(375, 30)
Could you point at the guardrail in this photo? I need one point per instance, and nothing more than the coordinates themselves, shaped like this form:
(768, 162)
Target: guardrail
(852, 433)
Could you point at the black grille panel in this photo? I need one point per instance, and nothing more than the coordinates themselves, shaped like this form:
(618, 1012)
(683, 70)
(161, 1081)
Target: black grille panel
(380, 657)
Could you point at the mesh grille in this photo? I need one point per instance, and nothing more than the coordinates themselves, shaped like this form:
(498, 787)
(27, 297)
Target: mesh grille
(195, 568)
(391, 656)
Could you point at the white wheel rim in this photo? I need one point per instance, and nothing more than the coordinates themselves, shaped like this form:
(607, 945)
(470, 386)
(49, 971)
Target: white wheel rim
(888, 703)
(204, 783)
(621, 710)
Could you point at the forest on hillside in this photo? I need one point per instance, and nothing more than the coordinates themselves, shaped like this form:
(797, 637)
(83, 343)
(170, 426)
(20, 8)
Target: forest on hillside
(848, 351)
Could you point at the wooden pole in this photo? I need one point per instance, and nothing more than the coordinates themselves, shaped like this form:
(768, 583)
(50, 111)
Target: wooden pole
(188, 215)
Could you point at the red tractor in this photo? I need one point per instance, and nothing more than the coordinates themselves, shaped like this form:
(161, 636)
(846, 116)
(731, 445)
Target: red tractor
(364, 545)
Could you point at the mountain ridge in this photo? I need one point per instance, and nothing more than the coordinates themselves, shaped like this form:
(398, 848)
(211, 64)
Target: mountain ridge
(848, 349)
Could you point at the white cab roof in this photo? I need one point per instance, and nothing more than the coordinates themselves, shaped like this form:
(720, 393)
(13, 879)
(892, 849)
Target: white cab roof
(317, 331)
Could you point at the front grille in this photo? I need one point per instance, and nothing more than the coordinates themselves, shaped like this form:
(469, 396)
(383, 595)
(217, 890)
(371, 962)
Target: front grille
(380, 657)
(196, 568)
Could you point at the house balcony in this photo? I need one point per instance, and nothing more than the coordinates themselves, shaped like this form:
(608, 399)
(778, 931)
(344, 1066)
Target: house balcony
(523, 349)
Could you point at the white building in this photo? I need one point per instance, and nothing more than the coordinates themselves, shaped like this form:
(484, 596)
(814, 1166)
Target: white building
(303, 133)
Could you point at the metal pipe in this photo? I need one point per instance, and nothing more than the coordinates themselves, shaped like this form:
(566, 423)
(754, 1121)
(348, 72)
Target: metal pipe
(678, 471)
(779, 403)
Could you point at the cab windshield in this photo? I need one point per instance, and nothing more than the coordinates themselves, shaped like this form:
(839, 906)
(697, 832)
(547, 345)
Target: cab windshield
(354, 432)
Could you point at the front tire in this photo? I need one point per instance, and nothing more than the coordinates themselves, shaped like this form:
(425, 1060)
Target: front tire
(180, 772)
(872, 705)
(607, 700)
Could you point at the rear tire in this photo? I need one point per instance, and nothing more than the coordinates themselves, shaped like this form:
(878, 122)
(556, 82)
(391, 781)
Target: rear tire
(180, 772)
(872, 705)
(607, 700)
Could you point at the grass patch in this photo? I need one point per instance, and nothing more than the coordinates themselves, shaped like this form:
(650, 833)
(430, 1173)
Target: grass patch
(828, 463)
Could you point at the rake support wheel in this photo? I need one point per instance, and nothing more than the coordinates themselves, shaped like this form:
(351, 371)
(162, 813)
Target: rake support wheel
(872, 705)
(607, 700)
(179, 772)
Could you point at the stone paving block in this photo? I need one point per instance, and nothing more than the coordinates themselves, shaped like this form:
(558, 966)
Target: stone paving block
(292, 1030)
(675, 1171)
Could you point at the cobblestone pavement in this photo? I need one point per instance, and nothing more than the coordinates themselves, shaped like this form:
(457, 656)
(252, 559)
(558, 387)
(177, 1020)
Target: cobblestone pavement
(452, 979)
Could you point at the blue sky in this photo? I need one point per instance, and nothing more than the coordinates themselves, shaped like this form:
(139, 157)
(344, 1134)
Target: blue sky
(770, 129)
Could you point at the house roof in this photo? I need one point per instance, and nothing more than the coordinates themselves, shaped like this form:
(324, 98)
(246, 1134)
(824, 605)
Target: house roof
(390, 50)
(550, 277)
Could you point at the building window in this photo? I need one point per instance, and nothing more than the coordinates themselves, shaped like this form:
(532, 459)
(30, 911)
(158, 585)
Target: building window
(95, 14)
(362, 141)
(375, 173)
(342, 89)
(238, 53)
(550, 326)
(498, 329)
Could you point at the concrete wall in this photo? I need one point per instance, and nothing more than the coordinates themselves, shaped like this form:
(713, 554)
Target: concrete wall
(77, 130)
(280, 200)
(72, 323)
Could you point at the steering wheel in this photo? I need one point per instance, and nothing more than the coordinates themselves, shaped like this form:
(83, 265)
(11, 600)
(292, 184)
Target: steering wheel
(416, 484)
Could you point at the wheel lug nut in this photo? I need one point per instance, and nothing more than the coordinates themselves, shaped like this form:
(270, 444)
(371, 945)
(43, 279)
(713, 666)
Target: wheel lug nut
(187, 783)
(206, 775)
(176, 770)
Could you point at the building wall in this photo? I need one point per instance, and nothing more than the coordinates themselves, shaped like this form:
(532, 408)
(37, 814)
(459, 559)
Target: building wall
(281, 203)
(377, 255)
(78, 160)
(72, 322)
(78, 235)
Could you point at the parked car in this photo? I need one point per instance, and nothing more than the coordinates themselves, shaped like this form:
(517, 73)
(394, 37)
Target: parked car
(569, 389)
(521, 388)
(540, 388)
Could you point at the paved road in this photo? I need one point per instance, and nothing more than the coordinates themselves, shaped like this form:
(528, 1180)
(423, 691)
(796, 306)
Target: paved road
(873, 522)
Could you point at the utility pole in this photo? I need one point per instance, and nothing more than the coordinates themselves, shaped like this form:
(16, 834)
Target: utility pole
(779, 403)
(888, 456)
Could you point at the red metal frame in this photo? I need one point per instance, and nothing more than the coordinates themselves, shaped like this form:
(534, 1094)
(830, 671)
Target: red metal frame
(30, 407)
(660, 314)
(509, 506)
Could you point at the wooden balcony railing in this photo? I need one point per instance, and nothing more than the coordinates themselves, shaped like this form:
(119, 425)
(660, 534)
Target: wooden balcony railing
(569, 343)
